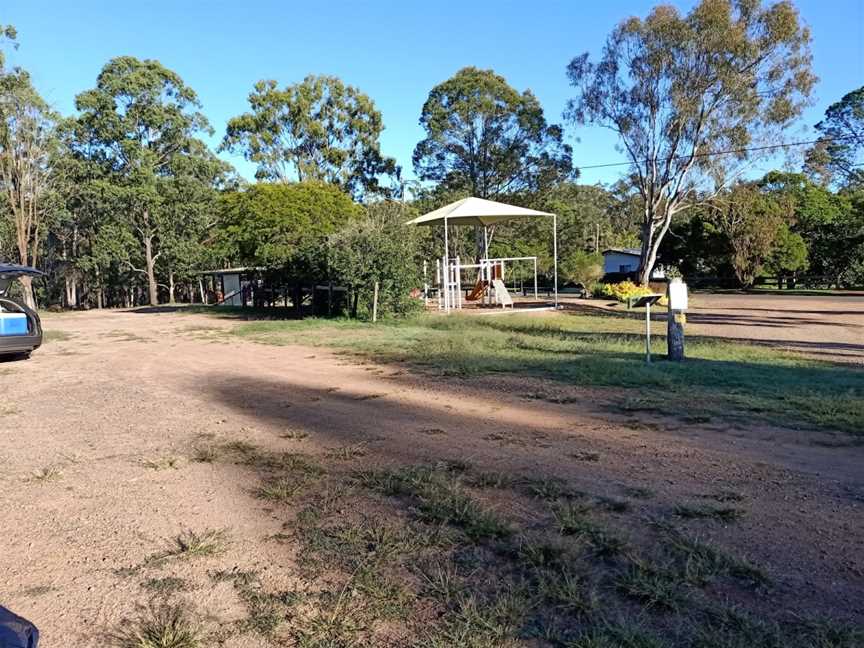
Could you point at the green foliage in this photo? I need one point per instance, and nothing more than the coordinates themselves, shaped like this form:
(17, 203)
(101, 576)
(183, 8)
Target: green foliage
(581, 267)
(138, 131)
(379, 248)
(751, 221)
(725, 76)
(316, 130)
(484, 137)
(27, 143)
(789, 255)
(839, 154)
(282, 225)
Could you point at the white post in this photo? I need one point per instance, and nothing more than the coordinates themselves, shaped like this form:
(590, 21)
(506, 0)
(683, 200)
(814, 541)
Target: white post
(555, 254)
(648, 332)
(425, 285)
(446, 267)
(375, 304)
(458, 282)
(535, 278)
(487, 297)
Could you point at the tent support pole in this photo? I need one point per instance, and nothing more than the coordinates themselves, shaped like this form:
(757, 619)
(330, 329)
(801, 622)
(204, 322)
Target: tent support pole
(555, 254)
(447, 269)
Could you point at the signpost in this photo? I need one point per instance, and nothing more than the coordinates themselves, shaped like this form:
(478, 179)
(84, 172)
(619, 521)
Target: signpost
(647, 301)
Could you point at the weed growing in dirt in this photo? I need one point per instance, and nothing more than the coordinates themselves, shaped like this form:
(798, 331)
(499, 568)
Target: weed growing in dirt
(191, 544)
(166, 585)
(163, 625)
(441, 499)
(266, 611)
(701, 563)
(279, 489)
(46, 474)
(162, 463)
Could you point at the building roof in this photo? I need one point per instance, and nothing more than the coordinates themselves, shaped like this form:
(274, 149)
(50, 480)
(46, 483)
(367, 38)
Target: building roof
(475, 211)
(628, 251)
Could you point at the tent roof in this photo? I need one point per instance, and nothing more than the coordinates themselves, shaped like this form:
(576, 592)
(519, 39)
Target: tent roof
(476, 211)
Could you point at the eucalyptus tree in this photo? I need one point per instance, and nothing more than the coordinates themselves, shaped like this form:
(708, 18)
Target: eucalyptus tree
(485, 137)
(140, 124)
(27, 143)
(317, 130)
(839, 155)
(691, 97)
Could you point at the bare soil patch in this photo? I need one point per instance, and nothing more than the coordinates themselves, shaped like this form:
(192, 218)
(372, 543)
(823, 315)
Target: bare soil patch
(135, 436)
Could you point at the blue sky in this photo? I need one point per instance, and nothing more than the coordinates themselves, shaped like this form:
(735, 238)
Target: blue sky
(394, 51)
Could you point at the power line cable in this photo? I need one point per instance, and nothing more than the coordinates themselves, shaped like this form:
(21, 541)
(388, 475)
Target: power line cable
(726, 152)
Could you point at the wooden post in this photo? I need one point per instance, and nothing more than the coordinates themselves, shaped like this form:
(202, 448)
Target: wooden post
(675, 335)
(375, 304)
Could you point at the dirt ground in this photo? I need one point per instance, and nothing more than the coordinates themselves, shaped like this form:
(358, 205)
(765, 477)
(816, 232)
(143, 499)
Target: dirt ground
(98, 428)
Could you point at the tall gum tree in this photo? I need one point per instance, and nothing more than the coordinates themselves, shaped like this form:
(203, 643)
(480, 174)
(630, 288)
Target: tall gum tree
(678, 90)
(27, 143)
(838, 156)
(317, 130)
(138, 120)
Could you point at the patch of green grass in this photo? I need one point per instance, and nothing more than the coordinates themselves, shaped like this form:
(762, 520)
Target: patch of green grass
(652, 587)
(720, 378)
(701, 563)
(266, 611)
(279, 489)
(164, 625)
(441, 499)
(550, 489)
(573, 520)
(346, 453)
(192, 544)
(616, 635)
(708, 512)
(568, 591)
(166, 585)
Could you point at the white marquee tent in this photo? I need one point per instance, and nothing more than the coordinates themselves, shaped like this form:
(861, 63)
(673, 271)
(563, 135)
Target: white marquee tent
(482, 213)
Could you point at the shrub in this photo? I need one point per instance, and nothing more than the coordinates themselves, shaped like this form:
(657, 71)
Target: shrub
(378, 248)
(582, 267)
(624, 291)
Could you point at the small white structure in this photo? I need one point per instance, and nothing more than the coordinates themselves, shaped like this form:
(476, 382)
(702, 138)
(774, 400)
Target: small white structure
(478, 212)
(626, 261)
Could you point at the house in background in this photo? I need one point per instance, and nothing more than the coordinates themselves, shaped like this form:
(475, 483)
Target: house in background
(623, 263)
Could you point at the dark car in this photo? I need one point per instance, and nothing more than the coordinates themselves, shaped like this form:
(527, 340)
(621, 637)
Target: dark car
(20, 328)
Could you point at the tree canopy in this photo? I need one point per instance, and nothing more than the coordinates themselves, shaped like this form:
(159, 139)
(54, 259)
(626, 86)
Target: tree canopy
(839, 155)
(690, 95)
(486, 138)
(319, 129)
(282, 225)
(139, 126)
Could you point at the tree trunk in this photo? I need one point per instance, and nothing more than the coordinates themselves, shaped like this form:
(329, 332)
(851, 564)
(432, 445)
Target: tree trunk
(171, 299)
(27, 290)
(99, 299)
(152, 288)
